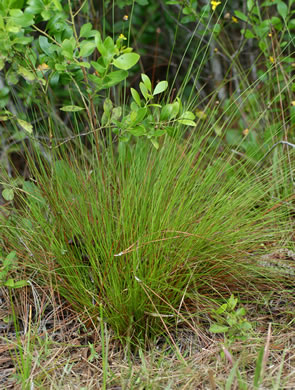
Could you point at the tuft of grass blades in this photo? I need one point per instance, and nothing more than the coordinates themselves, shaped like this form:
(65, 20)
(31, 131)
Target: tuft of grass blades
(150, 239)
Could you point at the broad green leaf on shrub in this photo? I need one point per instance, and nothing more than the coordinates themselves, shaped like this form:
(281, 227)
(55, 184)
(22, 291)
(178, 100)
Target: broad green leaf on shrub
(60, 67)
(71, 108)
(241, 16)
(248, 34)
(114, 78)
(186, 122)
(215, 328)
(87, 48)
(8, 194)
(107, 106)
(45, 46)
(126, 61)
(68, 47)
(282, 9)
(116, 113)
(137, 131)
(99, 65)
(58, 5)
(26, 74)
(188, 115)
(25, 125)
(85, 30)
(135, 96)
(144, 91)
(250, 5)
(169, 111)
(160, 87)
(106, 49)
(147, 82)
(22, 19)
(137, 116)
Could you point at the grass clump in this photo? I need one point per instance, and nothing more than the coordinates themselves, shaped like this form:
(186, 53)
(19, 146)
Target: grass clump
(147, 238)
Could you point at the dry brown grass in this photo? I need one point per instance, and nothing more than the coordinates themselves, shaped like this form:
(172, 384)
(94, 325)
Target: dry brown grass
(56, 345)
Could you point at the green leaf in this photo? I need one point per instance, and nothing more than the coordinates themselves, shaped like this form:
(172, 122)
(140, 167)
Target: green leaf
(232, 302)
(116, 113)
(249, 34)
(20, 284)
(126, 61)
(160, 87)
(25, 73)
(215, 328)
(23, 19)
(147, 82)
(137, 131)
(186, 122)
(71, 108)
(87, 48)
(144, 91)
(169, 111)
(138, 116)
(8, 194)
(282, 9)
(45, 46)
(85, 30)
(9, 283)
(221, 309)
(241, 16)
(68, 46)
(57, 4)
(135, 96)
(107, 106)
(188, 115)
(99, 66)
(250, 5)
(241, 312)
(114, 78)
(25, 125)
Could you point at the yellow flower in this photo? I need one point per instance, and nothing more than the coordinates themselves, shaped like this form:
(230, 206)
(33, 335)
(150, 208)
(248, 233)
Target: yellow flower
(293, 103)
(271, 59)
(215, 4)
(43, 66)
(215, 50)
(122, 36)
(234, 19)
(270, 35)
(246, 132)
(125, 17)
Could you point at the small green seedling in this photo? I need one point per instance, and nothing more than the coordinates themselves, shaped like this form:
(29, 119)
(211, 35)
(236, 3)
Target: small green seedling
(231, 322)
(6, 265)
